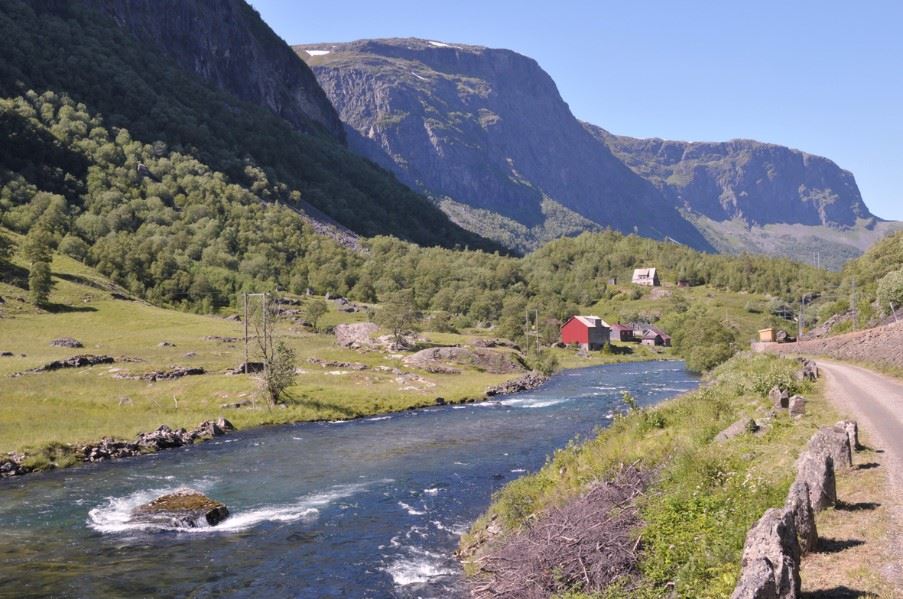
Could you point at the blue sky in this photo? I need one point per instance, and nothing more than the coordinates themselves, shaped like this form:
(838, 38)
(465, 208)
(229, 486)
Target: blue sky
(825, 77)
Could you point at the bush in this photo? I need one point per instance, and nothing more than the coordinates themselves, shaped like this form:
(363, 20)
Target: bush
(890, 291)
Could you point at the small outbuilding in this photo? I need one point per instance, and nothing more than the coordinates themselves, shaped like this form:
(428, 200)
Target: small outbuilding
(622, 332)
(589, 332)
(645, 276)
(655, 336)
(768, 335)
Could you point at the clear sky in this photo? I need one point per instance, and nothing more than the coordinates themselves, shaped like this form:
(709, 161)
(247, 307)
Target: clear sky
(825, 77)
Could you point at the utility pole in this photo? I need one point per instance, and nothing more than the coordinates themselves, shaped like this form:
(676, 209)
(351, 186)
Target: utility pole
(799, 333)
(853, 305)
(246, 331)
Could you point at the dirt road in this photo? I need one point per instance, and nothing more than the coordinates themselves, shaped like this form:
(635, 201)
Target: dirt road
(876, 402)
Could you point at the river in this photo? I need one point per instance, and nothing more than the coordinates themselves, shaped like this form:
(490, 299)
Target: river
(364, 508)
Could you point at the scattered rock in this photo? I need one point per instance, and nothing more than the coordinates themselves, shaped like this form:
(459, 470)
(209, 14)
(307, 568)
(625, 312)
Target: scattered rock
(166, 344)
(119, 296)
(490, 343)
(803, 516)
(531, 380)
(337, 364)
(773, 538)
(6, 354)
(817, 471)
(440, 401)
(809, 371)
(173, 373)
(834, 443)
(744, 425)
(184, 508)
(190, 354)
(780, 398)
(233, 318)
(74, 362)
(66, 342)
(237, 404)
(252, 368)
(220, 339)
(797, 406)
(852, 431)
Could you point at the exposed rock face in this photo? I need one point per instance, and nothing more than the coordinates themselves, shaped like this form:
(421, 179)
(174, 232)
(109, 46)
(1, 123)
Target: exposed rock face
(183, 508)
(803, 516)
(774, 539)
(744, 179)
(81, 361)
(817, 471)
(228, 45)
(176, 372)
(488, 130)
(496, 362)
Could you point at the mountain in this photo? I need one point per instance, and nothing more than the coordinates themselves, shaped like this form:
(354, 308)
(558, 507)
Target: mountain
(486, 133)
(228, 45)
(209, 79)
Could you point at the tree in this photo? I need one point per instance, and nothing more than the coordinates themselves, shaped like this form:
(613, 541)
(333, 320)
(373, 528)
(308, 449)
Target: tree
(6, 247)
(890, 291)
(314, 310)
(398, 313)
(39, 283)
(278, 359)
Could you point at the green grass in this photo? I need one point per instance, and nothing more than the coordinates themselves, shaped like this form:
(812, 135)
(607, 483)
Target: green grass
(85, 404)
(706, 494)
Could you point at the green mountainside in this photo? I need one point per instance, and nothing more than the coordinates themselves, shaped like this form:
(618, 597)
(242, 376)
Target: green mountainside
(79, 50)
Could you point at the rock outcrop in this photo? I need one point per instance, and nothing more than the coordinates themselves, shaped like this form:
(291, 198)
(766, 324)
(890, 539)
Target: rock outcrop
(81, 361)
(66, 342)
(228, 45)
(435, 360)
(357, 335)
(183, 508)
(531, 380)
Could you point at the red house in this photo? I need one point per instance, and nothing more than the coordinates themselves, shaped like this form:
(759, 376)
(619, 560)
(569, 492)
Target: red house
(590, 332)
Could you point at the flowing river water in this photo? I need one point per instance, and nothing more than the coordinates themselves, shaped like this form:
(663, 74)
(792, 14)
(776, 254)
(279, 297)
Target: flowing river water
(364, 508)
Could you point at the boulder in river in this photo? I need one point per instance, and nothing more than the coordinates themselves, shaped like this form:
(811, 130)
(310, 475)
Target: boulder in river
(183, 508)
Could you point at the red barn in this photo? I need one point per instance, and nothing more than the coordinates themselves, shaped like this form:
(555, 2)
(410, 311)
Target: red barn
(590, 332)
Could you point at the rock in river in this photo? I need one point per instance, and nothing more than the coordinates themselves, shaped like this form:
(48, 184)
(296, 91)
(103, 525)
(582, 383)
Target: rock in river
(184, 508)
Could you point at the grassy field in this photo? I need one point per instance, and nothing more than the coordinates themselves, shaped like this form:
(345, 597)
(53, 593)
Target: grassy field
(706, 494)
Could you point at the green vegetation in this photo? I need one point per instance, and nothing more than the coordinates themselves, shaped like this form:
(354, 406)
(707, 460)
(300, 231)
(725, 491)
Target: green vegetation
(705, 495)
(873, 280)
(69, 50)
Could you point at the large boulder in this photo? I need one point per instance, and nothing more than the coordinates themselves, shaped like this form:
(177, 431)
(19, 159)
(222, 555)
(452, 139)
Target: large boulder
(744, 425)
(803, 516)
(358, 335)
(773, 538)
(435, 359)
(834, 443)
(184, 508)
(817, 471)
(852, 431)
(66, 342)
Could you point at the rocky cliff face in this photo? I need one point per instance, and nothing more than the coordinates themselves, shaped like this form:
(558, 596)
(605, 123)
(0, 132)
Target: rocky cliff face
(229, 46)
(743, 179)
(487, 129)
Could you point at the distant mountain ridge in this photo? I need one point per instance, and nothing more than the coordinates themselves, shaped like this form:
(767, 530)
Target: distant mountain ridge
(487, 135)
(486, 129)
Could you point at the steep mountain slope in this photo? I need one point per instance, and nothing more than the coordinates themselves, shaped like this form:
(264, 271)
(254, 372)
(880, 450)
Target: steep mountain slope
(748, 196)
(486, 129)
(486, 133)
(228, 45)
(201, 78)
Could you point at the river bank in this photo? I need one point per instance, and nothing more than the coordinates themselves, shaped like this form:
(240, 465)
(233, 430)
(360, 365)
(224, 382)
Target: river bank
(703, 495)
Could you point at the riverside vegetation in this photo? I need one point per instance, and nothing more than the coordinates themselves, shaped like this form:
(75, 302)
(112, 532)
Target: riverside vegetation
(703, 495)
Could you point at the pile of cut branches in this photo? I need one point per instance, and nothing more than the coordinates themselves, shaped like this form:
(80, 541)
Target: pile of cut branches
(587, 544)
